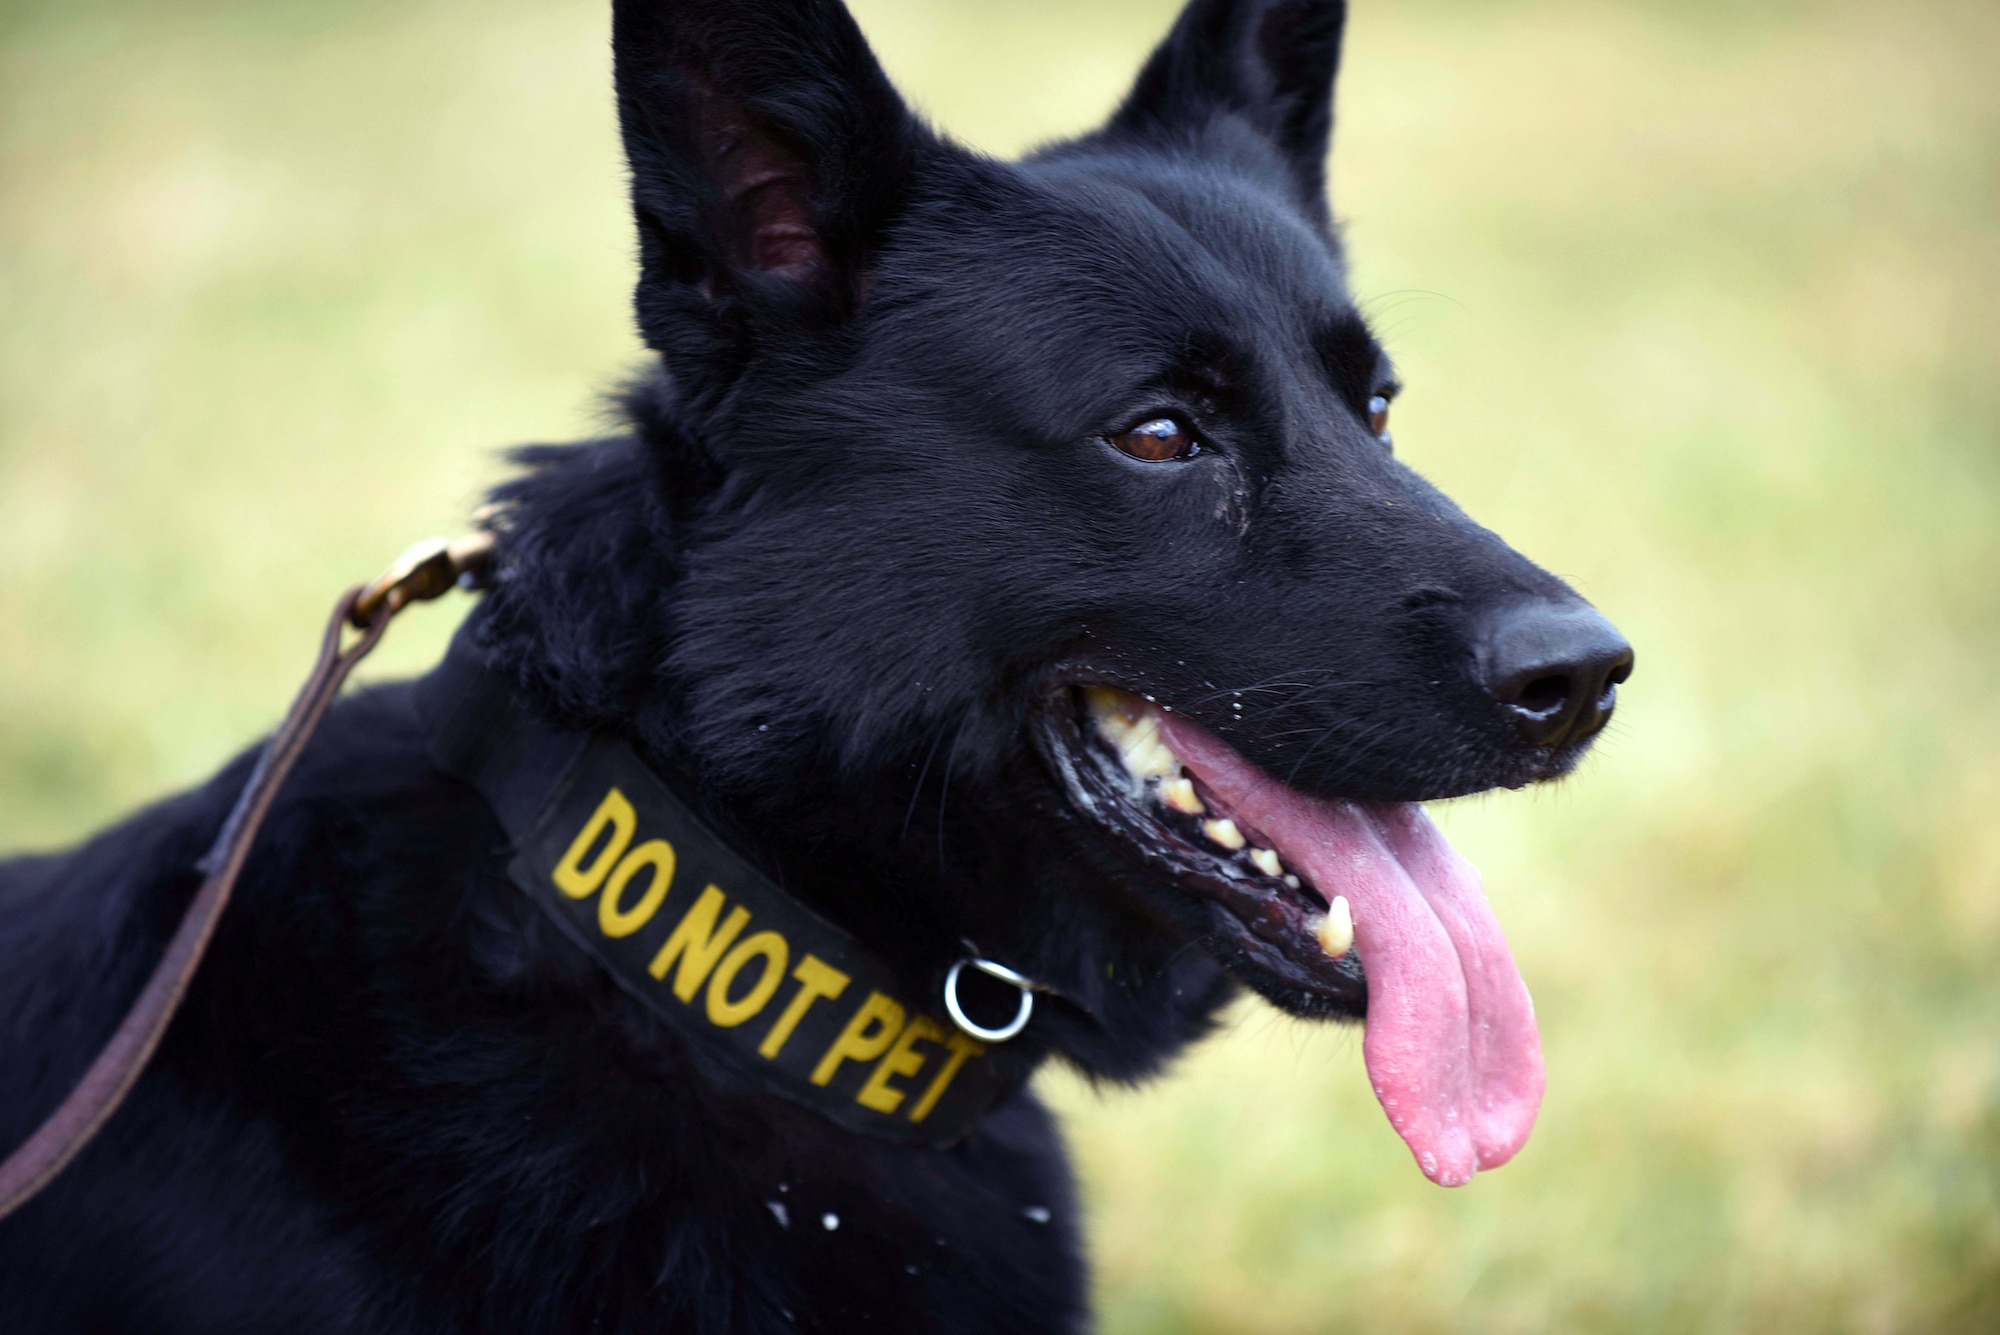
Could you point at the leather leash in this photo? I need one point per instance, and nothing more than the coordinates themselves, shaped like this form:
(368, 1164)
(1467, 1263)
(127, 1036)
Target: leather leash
(425, 571)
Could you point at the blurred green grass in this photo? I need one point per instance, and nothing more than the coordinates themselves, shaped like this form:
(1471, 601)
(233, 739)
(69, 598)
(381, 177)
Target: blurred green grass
(1699, 304)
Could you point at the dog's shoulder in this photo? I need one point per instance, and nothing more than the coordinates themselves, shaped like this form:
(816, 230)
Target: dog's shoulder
(187, 1212)
(398, 1094)
(80, 929)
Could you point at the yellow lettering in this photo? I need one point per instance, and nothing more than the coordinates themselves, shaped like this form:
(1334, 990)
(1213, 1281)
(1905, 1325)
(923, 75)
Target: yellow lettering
(655, 853)
(867, 1036)
(697, 943)
(962, 1047)
(817, 979)
(903, 1059)
(777, 952)
(571, 876)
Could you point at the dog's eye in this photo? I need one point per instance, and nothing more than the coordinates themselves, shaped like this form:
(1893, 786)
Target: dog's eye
(1378, 417)
(1157, 441)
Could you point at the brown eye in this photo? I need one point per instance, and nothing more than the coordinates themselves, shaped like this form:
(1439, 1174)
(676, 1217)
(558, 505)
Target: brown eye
(1157, 441)
(1378, 416)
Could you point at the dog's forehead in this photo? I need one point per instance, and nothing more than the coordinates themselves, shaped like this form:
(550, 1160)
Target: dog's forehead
(1124, 230)
(1237, 224)
(1098, 272)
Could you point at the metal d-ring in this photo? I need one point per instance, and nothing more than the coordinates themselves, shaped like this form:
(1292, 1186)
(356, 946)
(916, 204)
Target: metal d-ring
(1005, 975)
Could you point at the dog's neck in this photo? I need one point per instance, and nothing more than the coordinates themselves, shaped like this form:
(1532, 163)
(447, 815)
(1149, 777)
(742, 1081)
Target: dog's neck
(584, 620)
(581, 616)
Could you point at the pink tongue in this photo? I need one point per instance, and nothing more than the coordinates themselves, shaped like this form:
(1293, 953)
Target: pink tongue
(1451, 1044)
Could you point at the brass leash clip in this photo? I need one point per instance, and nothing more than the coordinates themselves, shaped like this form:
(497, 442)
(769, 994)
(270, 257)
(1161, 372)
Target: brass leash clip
(427, 570)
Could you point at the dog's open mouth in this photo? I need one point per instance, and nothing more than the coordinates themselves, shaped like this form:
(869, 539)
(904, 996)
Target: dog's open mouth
(1330, 907)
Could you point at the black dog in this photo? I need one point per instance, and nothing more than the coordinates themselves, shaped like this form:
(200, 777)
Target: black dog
(1005, 559)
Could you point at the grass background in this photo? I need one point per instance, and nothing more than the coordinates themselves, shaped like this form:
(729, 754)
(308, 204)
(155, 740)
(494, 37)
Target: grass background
(1698, 303)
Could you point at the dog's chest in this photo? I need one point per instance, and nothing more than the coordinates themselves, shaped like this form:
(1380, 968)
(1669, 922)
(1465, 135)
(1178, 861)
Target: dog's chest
(554, 1157)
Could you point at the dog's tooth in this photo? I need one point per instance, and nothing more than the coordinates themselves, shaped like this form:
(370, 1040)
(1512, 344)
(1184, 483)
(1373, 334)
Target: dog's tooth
(1291, 880)
(1224, 832)
(1142, 731)
(1104, 701)
(1145, 755)
(1134, 732)
(1151, 759)
(1110, 712)
(1179, 794)
(1336, 930)
(1267, 861)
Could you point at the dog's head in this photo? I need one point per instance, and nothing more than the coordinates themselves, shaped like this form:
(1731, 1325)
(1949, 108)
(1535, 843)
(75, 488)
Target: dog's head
(1042, 545)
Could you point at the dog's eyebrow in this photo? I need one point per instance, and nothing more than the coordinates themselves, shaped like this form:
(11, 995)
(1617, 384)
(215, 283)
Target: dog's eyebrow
(1211, 369)
(1354, 361)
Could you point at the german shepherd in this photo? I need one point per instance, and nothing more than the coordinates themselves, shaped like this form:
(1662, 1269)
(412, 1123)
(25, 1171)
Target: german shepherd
(1008, 562)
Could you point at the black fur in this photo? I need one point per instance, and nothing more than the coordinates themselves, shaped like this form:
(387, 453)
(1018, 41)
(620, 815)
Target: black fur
(865, 522)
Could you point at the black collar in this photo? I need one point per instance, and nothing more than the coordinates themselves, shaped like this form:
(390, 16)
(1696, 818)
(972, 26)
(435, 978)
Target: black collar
(700, 937)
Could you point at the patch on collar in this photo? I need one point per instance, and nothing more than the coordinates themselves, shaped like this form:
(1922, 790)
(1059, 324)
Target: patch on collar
(695, 933)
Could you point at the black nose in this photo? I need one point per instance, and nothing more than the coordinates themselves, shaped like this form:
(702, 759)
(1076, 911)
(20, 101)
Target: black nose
(1552, 667)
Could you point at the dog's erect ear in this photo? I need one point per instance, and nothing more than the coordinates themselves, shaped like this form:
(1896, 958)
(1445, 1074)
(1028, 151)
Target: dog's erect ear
(768, 151)
(1271, 62)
